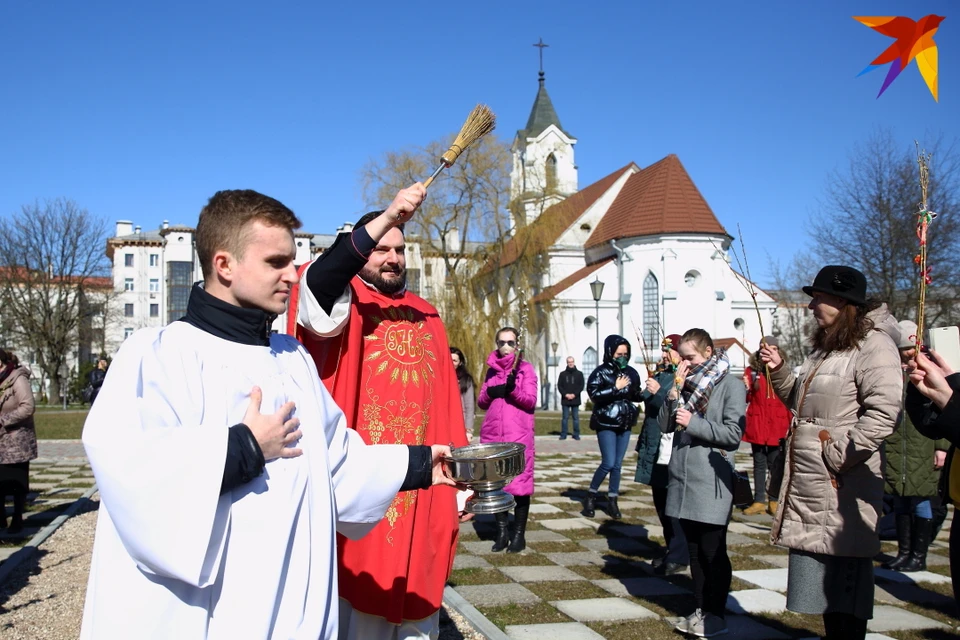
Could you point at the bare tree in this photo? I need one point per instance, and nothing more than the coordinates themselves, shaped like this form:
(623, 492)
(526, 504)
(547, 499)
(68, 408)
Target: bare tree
(793, 323)
(52, 264)
(868, 216)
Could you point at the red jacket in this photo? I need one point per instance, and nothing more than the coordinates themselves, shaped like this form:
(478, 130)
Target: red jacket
(767, 417)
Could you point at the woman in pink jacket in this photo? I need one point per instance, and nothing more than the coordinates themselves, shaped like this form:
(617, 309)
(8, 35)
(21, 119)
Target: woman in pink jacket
(509, 395)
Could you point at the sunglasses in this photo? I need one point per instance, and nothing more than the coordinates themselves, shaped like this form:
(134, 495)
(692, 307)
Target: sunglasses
(508, 343)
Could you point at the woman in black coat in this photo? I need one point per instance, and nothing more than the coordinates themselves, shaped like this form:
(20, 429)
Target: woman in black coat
(613, 387)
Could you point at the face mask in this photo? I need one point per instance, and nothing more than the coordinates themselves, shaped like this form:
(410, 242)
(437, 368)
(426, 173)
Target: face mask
(622, 361)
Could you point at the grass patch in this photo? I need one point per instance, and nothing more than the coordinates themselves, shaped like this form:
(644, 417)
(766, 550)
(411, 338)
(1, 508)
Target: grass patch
(476, 576)
(748, 563)
(59, 425)
(573, 590)
(540, 613)
(643, 629)
(555, 547)
(582, 534)
(517, 560)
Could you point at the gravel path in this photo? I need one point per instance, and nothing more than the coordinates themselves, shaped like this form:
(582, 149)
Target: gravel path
(43, 597)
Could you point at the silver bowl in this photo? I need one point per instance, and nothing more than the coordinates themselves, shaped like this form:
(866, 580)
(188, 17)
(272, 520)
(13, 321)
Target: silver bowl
(487, 468)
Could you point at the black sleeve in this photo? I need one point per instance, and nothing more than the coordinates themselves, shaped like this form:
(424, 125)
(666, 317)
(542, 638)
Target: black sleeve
(330, 274)
(578, 386)
(929, 420)
(420, 469)
(244, 458)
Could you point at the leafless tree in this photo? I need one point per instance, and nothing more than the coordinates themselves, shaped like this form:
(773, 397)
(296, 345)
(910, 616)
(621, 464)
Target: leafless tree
(52, 265)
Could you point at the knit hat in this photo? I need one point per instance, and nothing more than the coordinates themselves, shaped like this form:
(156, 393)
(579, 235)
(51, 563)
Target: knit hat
(908, 334)
(770, 341)
(671, 341)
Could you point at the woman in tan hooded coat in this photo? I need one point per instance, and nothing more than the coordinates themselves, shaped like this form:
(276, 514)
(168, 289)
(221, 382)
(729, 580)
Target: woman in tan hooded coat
(18, 439)
(845, 401)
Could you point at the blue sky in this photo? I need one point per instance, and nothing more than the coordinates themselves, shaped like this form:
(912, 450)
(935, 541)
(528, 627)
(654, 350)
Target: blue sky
(142, 112)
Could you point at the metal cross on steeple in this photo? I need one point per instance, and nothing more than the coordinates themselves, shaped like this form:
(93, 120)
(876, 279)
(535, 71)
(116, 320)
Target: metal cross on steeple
(541, 46)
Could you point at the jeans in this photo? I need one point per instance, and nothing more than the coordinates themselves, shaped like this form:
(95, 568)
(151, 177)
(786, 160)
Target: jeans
(912, 505)
(764, 457)
(613, 446)
(573, 411)
(709, 565)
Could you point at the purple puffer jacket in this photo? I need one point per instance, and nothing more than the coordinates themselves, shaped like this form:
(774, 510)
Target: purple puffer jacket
(510, 419)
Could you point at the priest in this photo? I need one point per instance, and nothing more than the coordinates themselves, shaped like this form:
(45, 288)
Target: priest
(382, 352)
(225, 469)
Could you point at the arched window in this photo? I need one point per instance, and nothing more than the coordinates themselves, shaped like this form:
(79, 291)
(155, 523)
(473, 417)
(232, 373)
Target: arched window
(651, 311)
(551, 173)
(589, 362)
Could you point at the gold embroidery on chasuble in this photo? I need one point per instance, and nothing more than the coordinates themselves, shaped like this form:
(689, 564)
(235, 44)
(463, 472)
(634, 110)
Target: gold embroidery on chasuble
(398, 376)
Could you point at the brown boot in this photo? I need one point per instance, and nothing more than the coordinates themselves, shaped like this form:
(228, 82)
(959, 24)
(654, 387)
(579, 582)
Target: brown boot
(772, 507)
(755, 509)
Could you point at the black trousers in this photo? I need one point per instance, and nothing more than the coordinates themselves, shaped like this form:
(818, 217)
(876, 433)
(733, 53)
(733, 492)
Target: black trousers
(764, 458)
(709, 565)
(660, 504)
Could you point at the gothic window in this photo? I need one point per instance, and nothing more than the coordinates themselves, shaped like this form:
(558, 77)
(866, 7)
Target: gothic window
(589, 362)
(551, 173)
(651, 309)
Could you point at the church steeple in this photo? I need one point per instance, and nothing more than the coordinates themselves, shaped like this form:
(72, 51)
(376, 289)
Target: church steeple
(544, 171)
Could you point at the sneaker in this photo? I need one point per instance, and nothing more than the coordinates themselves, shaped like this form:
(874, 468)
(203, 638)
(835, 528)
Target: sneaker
(563, 437)
(684, 624)
(576, 437)
(707, 626)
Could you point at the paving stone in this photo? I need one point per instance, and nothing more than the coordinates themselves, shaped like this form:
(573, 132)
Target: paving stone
(559, 484)
(626, 505)
(936, 560)
(497, 595)
(6, 552)
(577, 559)
(897, 593)
(554, 499)
(42, 486)
(887, 618)
(772, 579)
(462, 561)
(638, 531)
(478, 548)
(540, 574)
(756, 601)
(743, 527)
(746, 628)
(545, 536)
(544, 508)
(737, 539)
(554, 631)
(911, 578)
(778, 560)
(639, 587)
(566, 524)
(603, 609)
(621, 545)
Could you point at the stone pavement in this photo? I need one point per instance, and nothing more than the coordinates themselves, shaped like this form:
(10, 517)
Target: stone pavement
(591, 578)
(57, 478)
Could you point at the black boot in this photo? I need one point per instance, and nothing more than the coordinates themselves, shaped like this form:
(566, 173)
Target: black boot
(503, 531)
(19, 506)
(590, 504)
(922, 527)
(519, 542)
(612, 509)
(3, 511)
(903, 542)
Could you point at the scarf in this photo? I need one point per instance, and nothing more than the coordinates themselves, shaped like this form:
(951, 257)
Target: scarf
(701, 380)
(6, 371)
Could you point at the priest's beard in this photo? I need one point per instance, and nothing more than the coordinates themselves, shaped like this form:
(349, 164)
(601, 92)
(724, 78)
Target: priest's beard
(383, 285)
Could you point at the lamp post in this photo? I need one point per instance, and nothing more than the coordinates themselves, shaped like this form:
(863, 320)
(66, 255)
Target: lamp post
(596, 287)
(555, 346)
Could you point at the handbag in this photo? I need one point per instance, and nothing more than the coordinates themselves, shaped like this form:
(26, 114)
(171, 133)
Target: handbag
(742, 491)
(87, 393)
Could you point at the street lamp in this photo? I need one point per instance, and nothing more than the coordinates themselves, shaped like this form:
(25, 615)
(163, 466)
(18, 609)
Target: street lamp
(596, 287)
(556, 365)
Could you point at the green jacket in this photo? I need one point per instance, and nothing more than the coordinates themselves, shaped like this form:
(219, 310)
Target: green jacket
(909, 456)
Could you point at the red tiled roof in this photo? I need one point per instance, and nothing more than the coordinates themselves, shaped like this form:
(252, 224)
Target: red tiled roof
(726, 343)
(553, 291)
(659, 199)
(552, 222)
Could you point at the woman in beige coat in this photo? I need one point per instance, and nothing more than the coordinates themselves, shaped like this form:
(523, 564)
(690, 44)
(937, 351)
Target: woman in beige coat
(845, 401)
(18, 439)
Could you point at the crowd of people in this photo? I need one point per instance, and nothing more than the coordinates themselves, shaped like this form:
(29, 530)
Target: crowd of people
(314, 500)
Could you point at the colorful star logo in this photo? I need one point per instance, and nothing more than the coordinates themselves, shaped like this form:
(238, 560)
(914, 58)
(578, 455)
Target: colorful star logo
(914, 40)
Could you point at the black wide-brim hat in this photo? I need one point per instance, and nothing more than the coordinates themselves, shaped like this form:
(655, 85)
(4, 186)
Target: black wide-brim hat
(842, 282)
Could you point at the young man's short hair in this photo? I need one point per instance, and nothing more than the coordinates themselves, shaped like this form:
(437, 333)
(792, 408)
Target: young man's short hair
(223, 222)
(367, 217)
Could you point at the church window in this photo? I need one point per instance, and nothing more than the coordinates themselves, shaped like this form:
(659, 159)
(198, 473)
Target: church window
(692, 278)
(589, 361)
(551, 172)
(651, 307)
